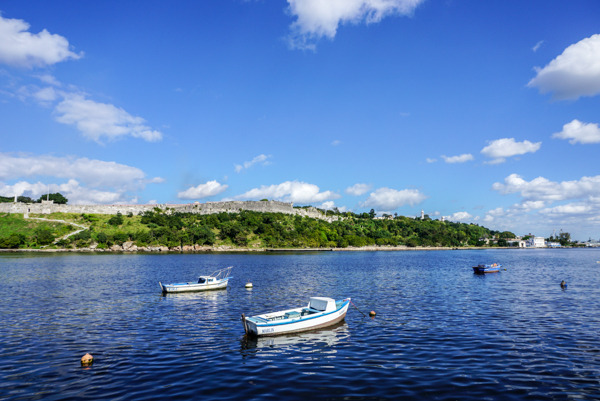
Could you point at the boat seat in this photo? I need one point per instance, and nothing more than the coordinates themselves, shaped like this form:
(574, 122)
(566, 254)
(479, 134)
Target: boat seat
(292, 315)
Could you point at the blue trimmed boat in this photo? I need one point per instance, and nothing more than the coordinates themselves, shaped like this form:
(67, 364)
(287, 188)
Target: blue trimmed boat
(215, 281)
(320, 312)
(489, 268)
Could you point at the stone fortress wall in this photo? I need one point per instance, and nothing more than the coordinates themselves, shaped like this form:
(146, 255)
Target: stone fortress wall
(47, 207)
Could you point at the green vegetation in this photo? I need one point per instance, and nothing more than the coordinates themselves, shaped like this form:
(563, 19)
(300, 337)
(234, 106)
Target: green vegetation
(244, 229)
(17, 232)
(56, 197)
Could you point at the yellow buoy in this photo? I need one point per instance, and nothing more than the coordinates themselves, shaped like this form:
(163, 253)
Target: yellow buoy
(248, 285)
(372, 313)
(87, 359)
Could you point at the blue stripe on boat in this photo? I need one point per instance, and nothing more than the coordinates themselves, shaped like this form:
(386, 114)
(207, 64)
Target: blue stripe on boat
(298, 320)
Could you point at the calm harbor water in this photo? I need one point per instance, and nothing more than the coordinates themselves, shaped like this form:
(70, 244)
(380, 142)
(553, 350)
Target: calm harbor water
(441, 332)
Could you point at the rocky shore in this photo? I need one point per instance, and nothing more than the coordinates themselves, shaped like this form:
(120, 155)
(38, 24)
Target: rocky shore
(130, 247)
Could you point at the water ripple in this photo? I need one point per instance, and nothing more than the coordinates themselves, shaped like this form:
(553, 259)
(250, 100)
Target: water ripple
(440, 332)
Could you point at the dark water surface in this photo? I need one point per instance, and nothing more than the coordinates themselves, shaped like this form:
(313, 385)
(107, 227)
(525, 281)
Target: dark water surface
(441, 332)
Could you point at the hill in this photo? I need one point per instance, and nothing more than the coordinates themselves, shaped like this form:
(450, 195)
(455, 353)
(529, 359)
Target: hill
(245, 229)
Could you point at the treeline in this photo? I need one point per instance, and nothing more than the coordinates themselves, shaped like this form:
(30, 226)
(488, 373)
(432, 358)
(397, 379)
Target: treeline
(56, 197)
(275, 230)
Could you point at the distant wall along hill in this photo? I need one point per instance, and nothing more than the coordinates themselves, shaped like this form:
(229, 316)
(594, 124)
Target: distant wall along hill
(48, 207)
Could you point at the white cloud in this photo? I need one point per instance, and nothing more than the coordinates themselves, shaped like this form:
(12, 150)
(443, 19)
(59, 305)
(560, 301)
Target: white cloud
(20, 48)
(430, 160)
(317, 18)
(97, 120)
(93, 173)
(574, 73)
(262, 159)
(358, 189)
(46, 95)
(72, 190)
(465, 157)
(49, 79)
(502, 148)
(290, 191)
(537, 46)
(460, 217)
(577, 131)
(210, 188)
(542, 189)
(568, 209)
(336, 142)
(387, 199)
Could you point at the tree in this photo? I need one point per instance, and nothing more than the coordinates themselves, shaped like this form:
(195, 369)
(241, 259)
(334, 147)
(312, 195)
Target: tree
(116, 220)
(564, 238)
(44, 236)
(56, 197)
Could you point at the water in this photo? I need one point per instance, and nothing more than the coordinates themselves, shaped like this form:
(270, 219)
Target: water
(441, 332)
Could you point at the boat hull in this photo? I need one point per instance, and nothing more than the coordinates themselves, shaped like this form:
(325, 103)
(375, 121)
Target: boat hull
(192, 287)
(483, 269)
(314, 321)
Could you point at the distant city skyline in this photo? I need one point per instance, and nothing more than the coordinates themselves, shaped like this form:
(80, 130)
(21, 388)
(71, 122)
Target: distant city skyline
(476, 112)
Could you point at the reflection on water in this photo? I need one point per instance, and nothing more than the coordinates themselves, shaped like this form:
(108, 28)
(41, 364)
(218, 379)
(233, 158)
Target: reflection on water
(441, 332)
(316, 339)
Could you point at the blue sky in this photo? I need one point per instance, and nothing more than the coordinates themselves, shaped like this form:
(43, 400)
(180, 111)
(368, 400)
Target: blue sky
(475, 111)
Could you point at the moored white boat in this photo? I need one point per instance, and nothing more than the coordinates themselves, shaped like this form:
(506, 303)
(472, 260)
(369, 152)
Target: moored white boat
(320, 312)
(215, 281)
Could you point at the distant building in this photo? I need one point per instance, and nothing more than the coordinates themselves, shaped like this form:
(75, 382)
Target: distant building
(516, 242)
(536, 242)
(554, 245)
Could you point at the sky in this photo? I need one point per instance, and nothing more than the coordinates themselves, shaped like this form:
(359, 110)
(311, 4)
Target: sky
(473, 111)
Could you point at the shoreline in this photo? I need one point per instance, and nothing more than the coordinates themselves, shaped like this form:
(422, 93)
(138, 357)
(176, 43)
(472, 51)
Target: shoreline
(225, 249)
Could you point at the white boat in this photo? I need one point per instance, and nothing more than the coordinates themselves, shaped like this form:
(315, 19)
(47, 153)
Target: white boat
(320, 312)
(215, 281)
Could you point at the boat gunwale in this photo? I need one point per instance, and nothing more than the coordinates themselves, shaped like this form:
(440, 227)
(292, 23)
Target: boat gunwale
(344, 304)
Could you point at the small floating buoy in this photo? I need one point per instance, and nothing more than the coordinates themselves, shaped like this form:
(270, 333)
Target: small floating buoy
(248, 285)
(372, 313)
(563, 284)
(87, 359)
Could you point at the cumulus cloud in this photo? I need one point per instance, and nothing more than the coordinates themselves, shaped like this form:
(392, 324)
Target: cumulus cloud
(459, 217)
(20, 48)
(387, 199)
(98, 120)
(290, 191)
(210, 188)
(502, 148)
(577, 131)
(465, 157)
(94, 173)
(316, 18)
(358, 189)
(542, 189)
(260, 159)
(72, 190)
(430, 160)
(574, 73)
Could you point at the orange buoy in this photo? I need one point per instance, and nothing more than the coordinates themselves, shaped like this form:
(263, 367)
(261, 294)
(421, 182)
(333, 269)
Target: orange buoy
(87, 359)
(372, 313)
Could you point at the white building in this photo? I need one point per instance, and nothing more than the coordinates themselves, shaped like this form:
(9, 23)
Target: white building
(536, 242)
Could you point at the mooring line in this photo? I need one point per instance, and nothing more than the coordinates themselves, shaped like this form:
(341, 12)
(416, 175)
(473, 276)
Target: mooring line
(357, 308)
